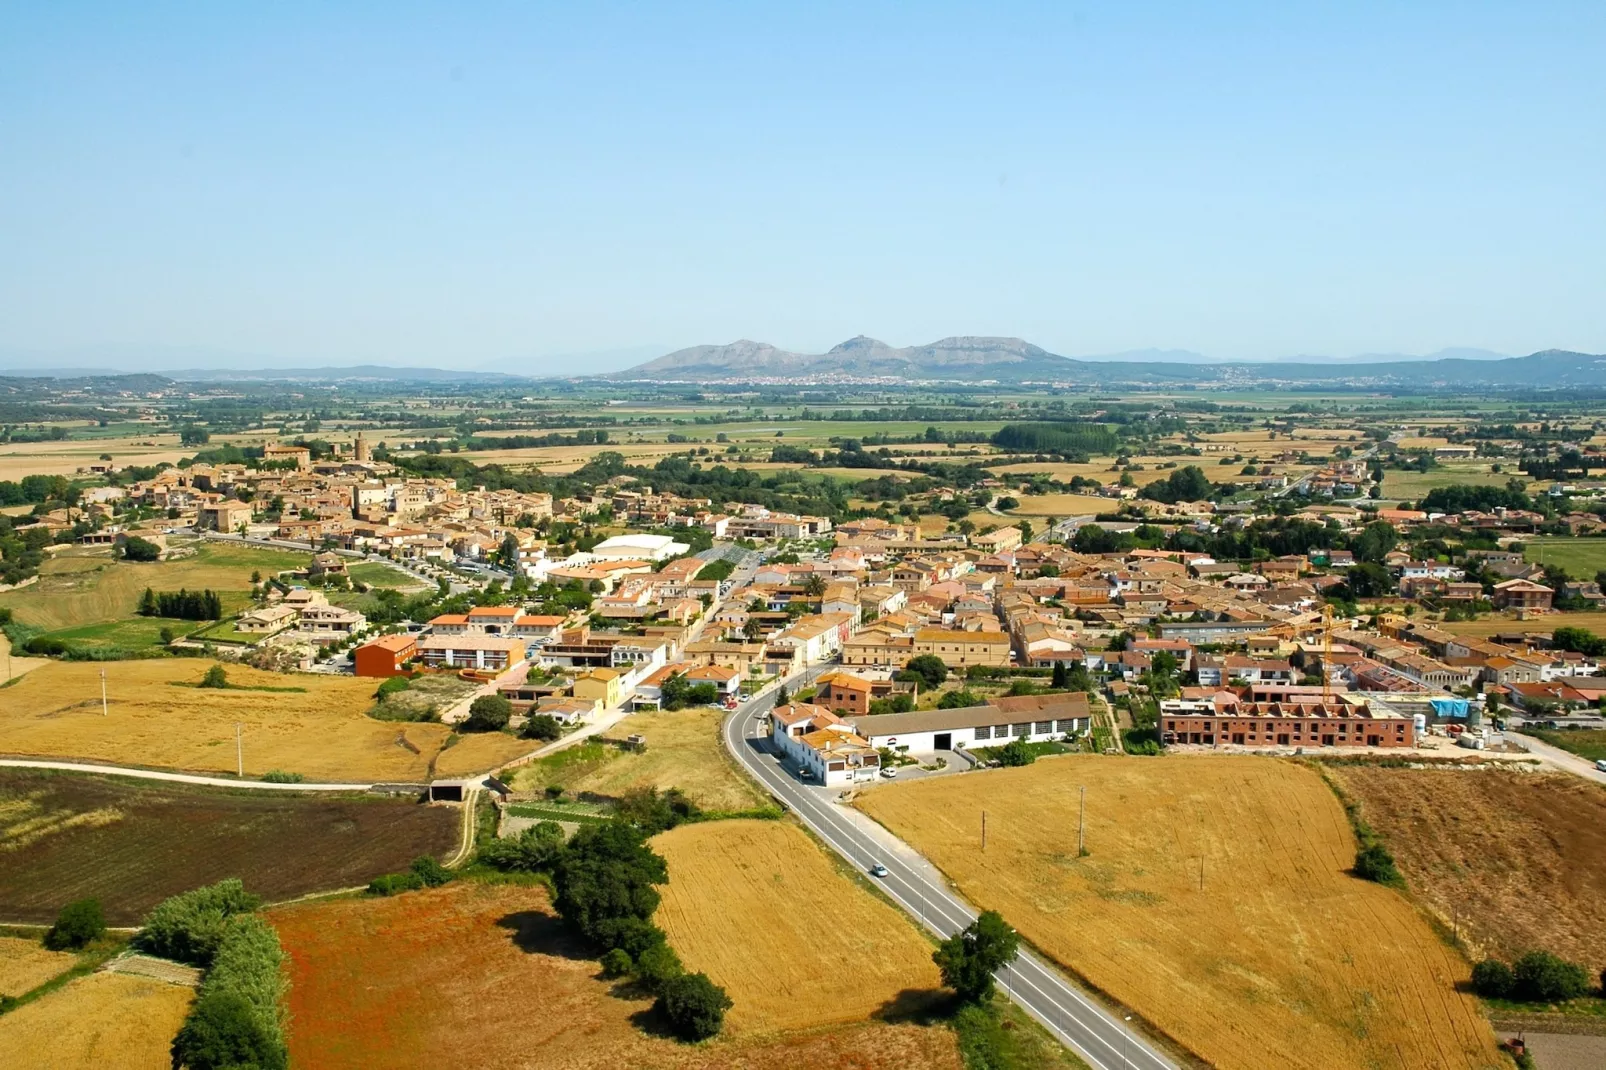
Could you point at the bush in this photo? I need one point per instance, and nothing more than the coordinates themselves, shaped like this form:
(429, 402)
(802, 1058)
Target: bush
(138, 549)
(223, 1033)
(543, 727)
(633, 936)
(189, 927)
(395, 884)
(694, 1006)
(1540, 977)
(1373, 862)
(488, 713)
(1016, 752)
(1492, 979)
(215, 677)
(391, 685)
(430, 871)
(279, 776)
(928, 669)
(616, 963)
(78, 923)
(658, 965)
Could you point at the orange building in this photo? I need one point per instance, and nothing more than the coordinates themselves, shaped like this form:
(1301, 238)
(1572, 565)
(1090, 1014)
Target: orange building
(384, 656)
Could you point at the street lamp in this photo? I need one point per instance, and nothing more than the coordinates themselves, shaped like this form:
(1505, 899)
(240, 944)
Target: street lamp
(1124, 1036)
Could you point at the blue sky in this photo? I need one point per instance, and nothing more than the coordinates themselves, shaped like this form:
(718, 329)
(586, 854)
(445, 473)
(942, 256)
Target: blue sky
(429, 184)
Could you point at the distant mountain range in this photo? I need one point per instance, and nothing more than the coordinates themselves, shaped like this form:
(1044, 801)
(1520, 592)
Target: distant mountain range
(1012, 360)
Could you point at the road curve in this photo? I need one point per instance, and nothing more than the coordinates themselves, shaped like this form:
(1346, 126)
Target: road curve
(1097, 1035)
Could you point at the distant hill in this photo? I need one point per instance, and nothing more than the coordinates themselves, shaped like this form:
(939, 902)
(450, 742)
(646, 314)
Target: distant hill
(1012, 360)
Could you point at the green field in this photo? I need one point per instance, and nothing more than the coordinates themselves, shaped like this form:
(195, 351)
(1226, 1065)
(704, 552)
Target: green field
(375, 574)
(86, 585)
(130, 633)
(1587, 743)
(1581, 557)
(1413, 486)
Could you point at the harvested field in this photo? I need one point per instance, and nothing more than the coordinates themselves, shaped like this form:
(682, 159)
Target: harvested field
(102, 1020)
(319, 731)
(25, 964)
(1060, 505)
(86, 585)
(417, 980)
(1282, 959)
(64, 458)
(683, 751)
(131, 843)
(1516, 859)
(1499, 624)
(765, 944)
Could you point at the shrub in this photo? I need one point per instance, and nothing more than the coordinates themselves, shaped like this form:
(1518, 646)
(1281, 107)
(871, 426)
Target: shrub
(694, 1006)
(138, 549)
(488, 713)
(215, 677)
(77, 924)
(1016, 752)
(222, 1033)
(657, 965)
(535, 850)
(543, 727)
(430, 871)
(634, 936)
(1373, 862)
(190, 926)
(391, 685)
(279, 776)
(1540, 977)
(395, 884)
(616, 963)
(1491, 979)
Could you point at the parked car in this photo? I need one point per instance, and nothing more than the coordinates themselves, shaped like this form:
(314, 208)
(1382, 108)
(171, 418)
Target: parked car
(1600, 763)
(889, 772)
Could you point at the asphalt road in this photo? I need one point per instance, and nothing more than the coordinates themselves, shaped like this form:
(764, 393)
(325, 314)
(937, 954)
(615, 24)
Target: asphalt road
(1097, 1035)
(1557, 758)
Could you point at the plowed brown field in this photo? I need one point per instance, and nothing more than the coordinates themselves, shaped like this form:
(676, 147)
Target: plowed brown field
(1282, 959)
(758, 907)
(486, 975)
(1517, 860)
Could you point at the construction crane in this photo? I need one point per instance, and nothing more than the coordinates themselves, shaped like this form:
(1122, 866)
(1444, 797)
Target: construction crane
(1327, 652)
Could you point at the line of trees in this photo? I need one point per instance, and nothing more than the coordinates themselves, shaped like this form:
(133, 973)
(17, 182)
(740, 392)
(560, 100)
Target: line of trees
(182, 604)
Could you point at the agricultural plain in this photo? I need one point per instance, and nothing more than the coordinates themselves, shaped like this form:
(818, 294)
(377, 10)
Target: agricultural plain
(768, 943)
(131, 843)
(1276, 956)
(25, 964)
(97, 1021)
(299, 723)
(683, 751)
(488, 973)
(1515, 860)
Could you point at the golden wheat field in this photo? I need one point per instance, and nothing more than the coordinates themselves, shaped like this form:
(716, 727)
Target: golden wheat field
(1281, 958)
(25, 964)
(102, 1020)
(65, 458)
(156, 717)
(486, 975)
(788, 929)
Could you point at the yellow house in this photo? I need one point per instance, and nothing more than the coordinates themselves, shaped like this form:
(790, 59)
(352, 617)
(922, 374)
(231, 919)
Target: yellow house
(598, 685)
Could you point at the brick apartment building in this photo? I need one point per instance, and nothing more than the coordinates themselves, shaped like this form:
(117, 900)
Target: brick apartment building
(1283, 724)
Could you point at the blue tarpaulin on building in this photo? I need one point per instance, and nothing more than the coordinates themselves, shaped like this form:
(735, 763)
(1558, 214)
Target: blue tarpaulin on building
(1450, 707)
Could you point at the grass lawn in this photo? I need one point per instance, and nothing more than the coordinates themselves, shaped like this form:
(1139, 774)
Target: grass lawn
(1581, 557)
(375, 574)
(1587, 743)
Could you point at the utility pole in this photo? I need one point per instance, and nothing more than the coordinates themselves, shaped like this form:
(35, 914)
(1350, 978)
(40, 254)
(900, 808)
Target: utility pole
(103, 710)
(1201, 873)
(239, 751)
(984, 831)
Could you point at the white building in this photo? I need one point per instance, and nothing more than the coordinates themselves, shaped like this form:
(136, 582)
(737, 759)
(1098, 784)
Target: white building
(638, 547)
(823, 744)
(1033, 718)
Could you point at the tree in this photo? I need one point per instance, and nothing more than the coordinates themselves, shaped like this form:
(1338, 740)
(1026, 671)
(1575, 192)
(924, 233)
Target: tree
(138, 549)
(959, 699)
(607, 873)
(1368, 580)
(429, 870)
(694, 1006)
(1540, 977)
(223, 1032)
(1492, 979)
(928, 669)
(1375, 540)
(1061, 677)
(657, 965)
(215, 678)
(535, 850)
(781, 697)
(542, 726)
(616, 963)
(1188, 484)
(147, 603)
(78, 923)
(488, 713)
(814, 586)
(969, 958)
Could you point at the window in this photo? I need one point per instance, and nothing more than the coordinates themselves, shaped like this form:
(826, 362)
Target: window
(1023, 730)
(984, 733)
(1044, 727)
